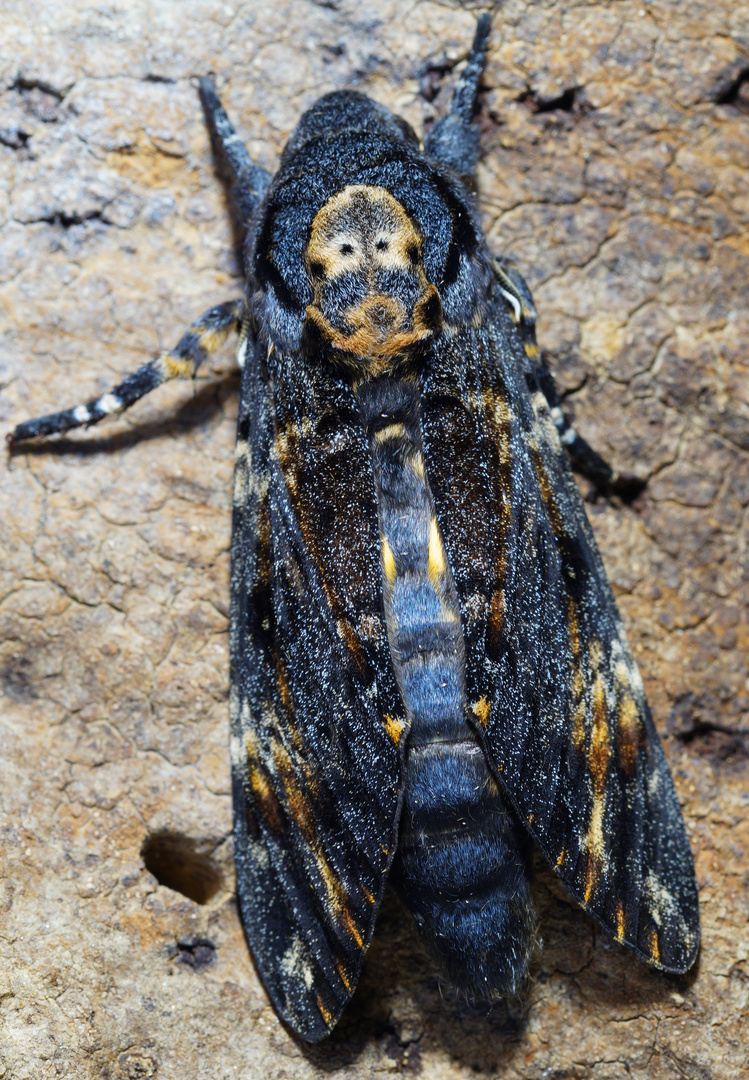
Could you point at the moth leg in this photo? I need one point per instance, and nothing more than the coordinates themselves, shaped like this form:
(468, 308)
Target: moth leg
(582, 455)
(248, 180)
(454, 139)
(203, 337)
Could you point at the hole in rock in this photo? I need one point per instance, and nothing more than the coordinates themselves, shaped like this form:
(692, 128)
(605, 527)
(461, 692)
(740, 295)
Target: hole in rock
(180, 863)
(569, 100)
(735, 91)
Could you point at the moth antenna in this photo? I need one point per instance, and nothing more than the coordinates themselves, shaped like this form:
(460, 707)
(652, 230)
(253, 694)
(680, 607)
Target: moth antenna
(454, 139)
(464, 95)
(248, 180)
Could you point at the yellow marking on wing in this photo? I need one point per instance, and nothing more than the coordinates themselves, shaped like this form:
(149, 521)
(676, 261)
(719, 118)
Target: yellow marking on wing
(352, 928)
(261, 789)
(599, 758)
(599, 755)
(546, 486)
(653, 945)
(592, 874)
(265, 798)
(531, 350)
(286, 447)
(620, 921)
(436, 564)
(300, 810)
(495, 619)
(495, 402)
(351, 641)
(577, 733)
(481, 710)
(578, 726)
(394, 727)
(367, 894)
(389, 568)
(560, 859)
(595, 654)
(342, 975)
(629, 730)
(324, 1013)
(284, 689)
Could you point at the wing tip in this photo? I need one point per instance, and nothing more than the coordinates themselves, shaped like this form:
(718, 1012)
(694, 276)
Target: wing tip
(677, 958)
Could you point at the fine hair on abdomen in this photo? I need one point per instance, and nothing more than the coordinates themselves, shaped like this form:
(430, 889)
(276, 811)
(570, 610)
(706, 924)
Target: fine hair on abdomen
(461, 864)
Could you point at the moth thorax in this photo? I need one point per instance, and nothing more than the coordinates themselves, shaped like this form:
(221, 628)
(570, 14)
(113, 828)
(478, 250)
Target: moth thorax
(372, 301)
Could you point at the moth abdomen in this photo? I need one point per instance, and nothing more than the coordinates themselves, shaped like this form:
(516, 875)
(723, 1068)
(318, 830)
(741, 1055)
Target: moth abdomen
(462, 870)
(461, 862)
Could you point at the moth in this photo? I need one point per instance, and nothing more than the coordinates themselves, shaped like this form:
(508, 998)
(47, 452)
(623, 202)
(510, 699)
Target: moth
(428, 669)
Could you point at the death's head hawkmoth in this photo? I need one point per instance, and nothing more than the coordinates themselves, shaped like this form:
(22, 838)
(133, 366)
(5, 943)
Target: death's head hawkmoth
(428, 670)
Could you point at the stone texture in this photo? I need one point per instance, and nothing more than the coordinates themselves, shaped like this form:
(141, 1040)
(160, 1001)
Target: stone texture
(616, 173)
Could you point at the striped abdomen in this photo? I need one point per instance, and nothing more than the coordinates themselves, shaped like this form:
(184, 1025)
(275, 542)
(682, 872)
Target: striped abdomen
(461, 864)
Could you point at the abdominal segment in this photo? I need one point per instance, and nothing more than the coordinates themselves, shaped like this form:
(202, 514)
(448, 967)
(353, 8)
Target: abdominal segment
(461, 866)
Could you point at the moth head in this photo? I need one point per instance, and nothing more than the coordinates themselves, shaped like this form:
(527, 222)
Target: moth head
(372, 306)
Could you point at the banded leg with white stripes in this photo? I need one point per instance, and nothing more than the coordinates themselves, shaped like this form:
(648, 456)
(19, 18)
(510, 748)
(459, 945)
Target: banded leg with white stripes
(582, 455)
(203, 337)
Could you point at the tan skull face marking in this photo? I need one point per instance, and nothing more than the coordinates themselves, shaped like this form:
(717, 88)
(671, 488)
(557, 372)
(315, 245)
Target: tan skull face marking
(372, 299)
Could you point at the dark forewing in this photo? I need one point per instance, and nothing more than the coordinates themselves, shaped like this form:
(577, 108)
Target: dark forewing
(315, 750)
(552, 685)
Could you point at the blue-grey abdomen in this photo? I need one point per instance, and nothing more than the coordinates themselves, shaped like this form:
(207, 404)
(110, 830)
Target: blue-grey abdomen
(461, 862)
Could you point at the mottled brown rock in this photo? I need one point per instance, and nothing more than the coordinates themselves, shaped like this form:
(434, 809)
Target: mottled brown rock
(616, 173)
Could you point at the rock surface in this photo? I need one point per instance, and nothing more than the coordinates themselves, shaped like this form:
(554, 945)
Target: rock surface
(616, 173)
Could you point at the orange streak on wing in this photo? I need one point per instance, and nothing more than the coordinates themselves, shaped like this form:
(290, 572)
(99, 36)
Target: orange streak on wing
(655, 951)
(592, 874)
(496, 616)
(342, 974)
(266, 802)
(599, 755)
(630, 733)
(353, 644)
(599, 758)
(301, 812)
(324, 1013)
